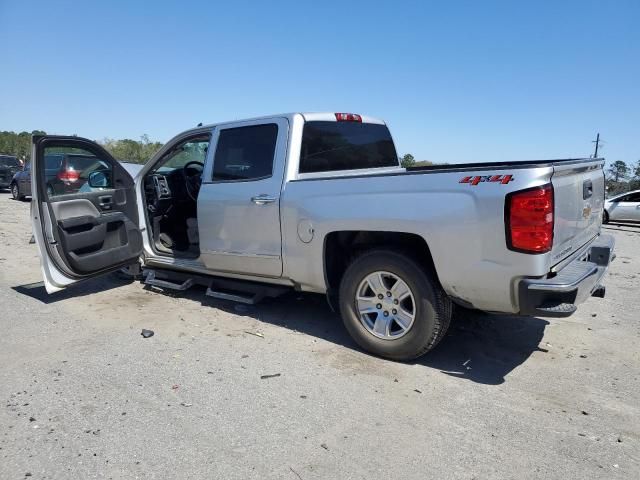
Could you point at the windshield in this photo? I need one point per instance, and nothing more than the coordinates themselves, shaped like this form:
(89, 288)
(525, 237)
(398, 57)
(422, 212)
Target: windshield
(193, 150)
(9, 162)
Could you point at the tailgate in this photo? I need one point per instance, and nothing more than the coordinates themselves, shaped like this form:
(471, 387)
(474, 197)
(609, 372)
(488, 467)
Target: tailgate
(579, 201)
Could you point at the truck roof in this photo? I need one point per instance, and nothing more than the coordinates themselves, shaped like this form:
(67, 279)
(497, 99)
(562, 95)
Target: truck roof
(308, 117)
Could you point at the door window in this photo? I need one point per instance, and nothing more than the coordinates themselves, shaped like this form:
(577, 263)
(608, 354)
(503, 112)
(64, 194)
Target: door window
(245, 153)
(634, 197)
(70, 170)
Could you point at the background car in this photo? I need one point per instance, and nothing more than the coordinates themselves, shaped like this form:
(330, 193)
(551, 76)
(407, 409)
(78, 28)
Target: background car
(21, 182)
(9, 166)
(624, 207)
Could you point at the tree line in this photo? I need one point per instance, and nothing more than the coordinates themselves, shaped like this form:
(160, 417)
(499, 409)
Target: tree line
(127, 150)
(408, 161)
(621, 177)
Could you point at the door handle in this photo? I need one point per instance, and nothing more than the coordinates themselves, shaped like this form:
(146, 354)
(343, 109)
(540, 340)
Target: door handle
(587, 189)
(263, 199)
(105, 202)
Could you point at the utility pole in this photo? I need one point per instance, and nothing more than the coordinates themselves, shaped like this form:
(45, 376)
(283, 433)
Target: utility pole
(597, 142)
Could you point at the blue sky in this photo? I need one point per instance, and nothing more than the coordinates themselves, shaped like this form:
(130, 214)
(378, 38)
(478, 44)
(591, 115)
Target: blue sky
(457, 81)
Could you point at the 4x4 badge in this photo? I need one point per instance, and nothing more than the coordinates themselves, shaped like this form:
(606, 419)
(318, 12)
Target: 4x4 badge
(503, 179)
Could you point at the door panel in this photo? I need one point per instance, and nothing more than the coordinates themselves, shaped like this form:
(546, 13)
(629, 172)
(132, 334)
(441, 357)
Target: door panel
(85, 217)
(239, 202)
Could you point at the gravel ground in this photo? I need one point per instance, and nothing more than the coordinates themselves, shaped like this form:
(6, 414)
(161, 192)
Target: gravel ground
(85, 396)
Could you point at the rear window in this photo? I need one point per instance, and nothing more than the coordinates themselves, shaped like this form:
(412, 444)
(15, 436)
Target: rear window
(330, 146)
(52, 162)
(82, 164)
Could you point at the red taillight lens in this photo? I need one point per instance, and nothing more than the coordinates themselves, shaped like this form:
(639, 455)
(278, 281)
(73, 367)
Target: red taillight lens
(529, 218)
(348, 117)
(69, 176)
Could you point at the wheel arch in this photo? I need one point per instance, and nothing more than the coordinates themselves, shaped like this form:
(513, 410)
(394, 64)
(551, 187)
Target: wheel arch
(341, 247)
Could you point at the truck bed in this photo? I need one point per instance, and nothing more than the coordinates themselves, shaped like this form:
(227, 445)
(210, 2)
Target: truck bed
(463, 223)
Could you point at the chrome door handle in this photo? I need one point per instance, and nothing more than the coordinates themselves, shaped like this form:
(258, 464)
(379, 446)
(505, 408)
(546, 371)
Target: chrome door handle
(262, 199)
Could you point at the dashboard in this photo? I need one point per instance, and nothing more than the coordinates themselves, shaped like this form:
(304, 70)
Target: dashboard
(164, 190)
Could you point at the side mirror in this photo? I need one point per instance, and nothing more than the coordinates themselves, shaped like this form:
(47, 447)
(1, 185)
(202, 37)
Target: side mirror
(100, 179)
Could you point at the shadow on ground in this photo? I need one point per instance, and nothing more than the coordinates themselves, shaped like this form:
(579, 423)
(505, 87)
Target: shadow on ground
(630, 227)
(483, 348)
(38, 292)
(479, 347)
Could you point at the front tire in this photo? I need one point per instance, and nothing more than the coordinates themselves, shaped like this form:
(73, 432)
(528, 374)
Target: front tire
(392, 307)
(605, 217)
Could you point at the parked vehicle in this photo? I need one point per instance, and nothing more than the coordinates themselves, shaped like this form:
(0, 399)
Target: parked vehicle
(9, 165)
(21, 182)
(319, 203)
(624, 207)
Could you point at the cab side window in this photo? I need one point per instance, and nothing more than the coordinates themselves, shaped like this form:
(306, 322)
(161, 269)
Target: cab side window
(245, 153)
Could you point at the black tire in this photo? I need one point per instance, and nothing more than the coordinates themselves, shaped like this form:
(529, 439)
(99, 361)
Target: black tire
(605, 217)
(15, 192)
(432, 309)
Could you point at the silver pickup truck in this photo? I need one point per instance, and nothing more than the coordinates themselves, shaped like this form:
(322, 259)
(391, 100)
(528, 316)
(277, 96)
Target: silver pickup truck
(317, 202)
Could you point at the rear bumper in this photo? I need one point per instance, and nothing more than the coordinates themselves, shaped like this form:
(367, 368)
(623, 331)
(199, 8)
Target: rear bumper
(560, 295)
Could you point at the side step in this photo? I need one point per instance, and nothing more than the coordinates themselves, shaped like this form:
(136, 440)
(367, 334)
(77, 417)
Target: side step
(241, 291)
(151, 279)
(234, 297)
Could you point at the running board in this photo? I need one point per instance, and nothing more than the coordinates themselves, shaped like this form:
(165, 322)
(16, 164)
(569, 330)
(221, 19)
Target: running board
(234, 297)
(242, 291)
(234, 290)
(151, 279)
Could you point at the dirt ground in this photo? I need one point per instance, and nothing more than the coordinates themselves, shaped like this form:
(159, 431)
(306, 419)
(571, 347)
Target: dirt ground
(85, 396)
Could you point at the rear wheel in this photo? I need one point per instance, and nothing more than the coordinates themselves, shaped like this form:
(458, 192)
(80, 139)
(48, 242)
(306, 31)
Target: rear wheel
(15, 192)
(392, 307)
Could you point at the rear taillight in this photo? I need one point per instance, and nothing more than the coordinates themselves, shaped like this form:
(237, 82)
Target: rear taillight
(68, 176)
(529, 220)
(348, 117)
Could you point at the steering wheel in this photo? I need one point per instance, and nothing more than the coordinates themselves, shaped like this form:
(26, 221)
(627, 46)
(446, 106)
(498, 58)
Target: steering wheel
(193, 178)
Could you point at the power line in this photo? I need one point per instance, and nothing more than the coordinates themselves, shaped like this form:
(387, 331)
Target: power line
(597, 141)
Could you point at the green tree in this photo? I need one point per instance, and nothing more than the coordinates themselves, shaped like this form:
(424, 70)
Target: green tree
(138, 151)
(129, 150)
(407, 161)
(634, 183)
(423, 163)
(618, 170)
